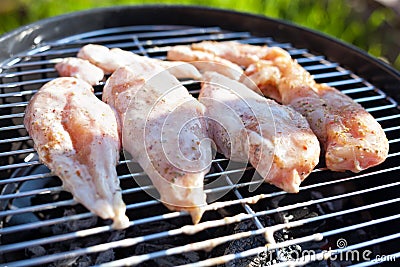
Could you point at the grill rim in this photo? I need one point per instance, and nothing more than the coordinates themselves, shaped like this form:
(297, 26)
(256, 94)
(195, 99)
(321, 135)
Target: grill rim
(39, 33)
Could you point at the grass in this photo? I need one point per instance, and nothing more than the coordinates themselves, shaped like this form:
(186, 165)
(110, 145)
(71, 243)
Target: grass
(365, 24)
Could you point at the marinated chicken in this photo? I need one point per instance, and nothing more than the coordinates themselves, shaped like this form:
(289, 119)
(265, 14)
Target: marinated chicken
(352, 139)
(80, 69)
(163, 129)
(247, 127)
(75, 135)
(111, 59)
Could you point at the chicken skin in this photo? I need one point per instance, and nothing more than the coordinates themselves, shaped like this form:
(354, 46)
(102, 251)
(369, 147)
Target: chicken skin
(163, 129)
(247, 127)
(351, 138)
(76, 136)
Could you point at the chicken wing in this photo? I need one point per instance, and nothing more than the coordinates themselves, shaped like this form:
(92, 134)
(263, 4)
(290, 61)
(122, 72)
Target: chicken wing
(111, 59)
(245, 126)
(352, 139)
(163, 130)
(75, 135)
(81, 69)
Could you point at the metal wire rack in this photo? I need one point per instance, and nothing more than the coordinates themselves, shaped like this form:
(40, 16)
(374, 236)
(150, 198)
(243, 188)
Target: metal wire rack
(42, 225)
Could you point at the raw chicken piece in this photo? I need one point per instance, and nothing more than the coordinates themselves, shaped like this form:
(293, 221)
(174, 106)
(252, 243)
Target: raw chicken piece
(81, 69)
(352, 139)
(245, 126)
(264, 73)
(111, 59)
(163, 130)
(201, 60)
(76, 136)
(241, 54)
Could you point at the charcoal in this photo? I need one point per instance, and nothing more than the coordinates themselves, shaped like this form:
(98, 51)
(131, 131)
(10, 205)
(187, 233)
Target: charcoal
(35, 251)
(73, 225)
(179, 259)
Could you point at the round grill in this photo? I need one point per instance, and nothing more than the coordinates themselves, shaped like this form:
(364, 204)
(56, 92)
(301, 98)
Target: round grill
(336, 218)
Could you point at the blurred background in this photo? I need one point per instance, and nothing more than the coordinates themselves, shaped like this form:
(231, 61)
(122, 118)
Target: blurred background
(372, 25)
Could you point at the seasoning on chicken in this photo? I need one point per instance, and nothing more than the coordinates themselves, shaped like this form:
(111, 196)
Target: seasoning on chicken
(75, 135)
(111, 59)
(247, 127)
(164, 131)
(80, 69)
(352, 139)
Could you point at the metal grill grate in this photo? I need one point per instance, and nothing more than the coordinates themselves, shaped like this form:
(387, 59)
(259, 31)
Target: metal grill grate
(42, 224)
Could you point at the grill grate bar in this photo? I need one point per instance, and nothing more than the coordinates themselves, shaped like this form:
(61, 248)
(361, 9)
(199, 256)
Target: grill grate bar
(371, 98)
(362, 225)
(14, 127)
(17, 165)
(12, 116)
(16, 152)
(358, 90)
(17, 94)
(155, 43)
(157, 34)
(240, 197)
(298, 262)
(24, 73)
(31, 193)
(24, 83)
(216, 241)
(326, 254)
(345, 82)
(359, 176)
(327, 65)
(137, 222)
(310, 59)
(37, 63)
(35, 162)
(26, 178)
(394, 128)
(394, 141)
(331, 74)
(17, 139)
(391, 117)
(37, 208)
(82, 233)
(40, 224)
(13, 105)
(118, 30)
(359, 100)
(383, 107)
(208, 176)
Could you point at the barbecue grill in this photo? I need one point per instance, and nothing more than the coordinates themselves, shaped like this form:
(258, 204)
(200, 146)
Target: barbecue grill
(337, 219)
